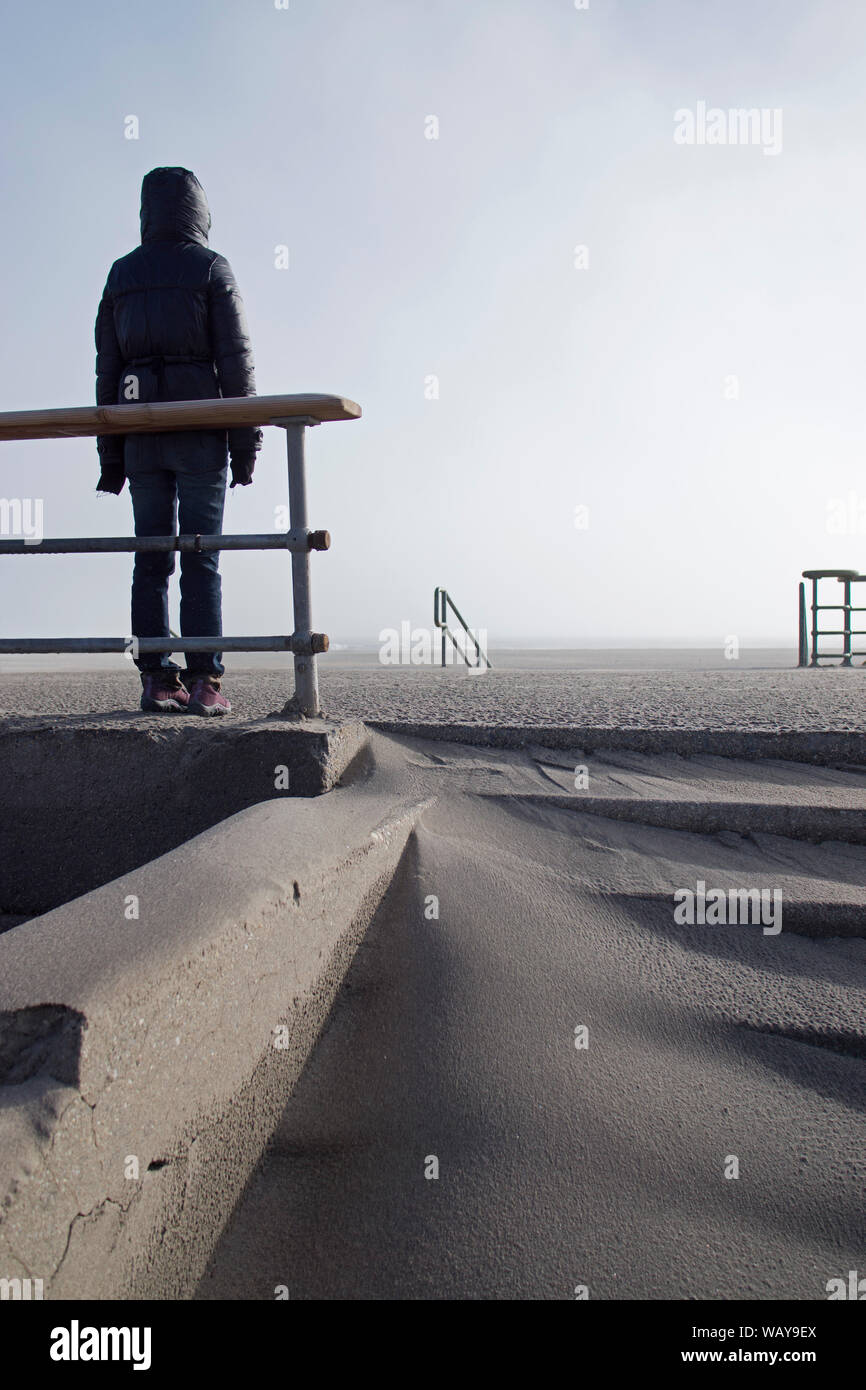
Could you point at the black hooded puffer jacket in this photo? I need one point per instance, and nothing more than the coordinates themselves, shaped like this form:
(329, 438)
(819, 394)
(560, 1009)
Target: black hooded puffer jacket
(171, 327)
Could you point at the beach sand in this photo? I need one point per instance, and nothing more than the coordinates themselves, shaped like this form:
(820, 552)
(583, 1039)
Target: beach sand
(710, 1048)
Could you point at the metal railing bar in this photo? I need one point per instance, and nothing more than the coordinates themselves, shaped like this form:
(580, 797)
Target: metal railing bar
(301, 643)
(449, 603)
(456, 611)
(154, 417)
(461, 650)
(446, 629)
(295, 541)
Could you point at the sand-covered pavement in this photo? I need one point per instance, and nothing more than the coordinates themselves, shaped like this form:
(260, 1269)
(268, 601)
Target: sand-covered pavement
(705, 1140)
(539, 1077)
(726, 696)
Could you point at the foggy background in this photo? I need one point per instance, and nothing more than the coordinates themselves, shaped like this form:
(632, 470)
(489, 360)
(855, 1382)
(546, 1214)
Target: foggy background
(698, 386)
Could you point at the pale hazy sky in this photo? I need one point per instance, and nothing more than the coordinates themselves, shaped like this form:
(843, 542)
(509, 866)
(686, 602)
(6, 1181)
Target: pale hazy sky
(607, 387)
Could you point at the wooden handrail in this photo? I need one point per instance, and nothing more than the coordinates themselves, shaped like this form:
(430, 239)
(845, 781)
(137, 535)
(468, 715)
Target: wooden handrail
(139, 417)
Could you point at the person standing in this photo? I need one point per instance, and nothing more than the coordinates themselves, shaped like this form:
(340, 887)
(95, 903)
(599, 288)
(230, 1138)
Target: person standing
(171, 327)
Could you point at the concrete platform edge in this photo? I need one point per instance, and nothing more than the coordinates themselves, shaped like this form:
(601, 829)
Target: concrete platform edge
(144, 1062)
(791, 745)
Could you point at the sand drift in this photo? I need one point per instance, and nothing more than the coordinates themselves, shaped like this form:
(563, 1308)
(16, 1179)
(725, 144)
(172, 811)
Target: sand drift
(439, 1034)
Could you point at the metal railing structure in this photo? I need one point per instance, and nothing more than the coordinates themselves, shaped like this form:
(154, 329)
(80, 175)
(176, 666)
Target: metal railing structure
(294, 414)
(847, 632)
(442, 601)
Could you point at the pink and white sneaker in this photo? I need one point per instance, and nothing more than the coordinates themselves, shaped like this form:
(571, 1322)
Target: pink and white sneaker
(161, 695)
(205, 697)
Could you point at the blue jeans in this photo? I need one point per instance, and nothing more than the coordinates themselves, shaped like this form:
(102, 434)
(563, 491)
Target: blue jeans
(196, 500)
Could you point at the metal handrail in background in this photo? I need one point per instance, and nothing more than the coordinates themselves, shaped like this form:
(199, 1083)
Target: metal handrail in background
(442, 601)
(291, 413)
(846, 578)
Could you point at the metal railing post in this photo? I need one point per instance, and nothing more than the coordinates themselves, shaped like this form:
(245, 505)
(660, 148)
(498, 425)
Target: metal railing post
(306, 697)
(846, 631)
(803, 658)
(814, 661)
(439, 616)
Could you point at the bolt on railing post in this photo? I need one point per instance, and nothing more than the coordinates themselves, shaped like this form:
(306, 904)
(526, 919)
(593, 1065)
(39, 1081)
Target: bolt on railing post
(306, 696)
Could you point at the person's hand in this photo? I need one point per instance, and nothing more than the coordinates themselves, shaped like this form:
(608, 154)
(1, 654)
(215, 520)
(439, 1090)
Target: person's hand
(242, 470)
(111, 479)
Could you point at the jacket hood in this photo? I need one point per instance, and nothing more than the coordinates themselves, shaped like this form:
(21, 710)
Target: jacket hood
(173, 207)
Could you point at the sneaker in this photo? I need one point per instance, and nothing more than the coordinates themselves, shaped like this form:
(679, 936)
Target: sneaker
(161, 695)
(205, 697)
